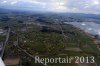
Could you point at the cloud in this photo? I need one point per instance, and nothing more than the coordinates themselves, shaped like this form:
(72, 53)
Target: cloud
(85, 6)
(14, 2)
(76, 6)
(4, 2)
(57, 7)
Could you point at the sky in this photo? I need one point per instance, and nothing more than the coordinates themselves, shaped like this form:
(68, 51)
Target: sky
(73, 6)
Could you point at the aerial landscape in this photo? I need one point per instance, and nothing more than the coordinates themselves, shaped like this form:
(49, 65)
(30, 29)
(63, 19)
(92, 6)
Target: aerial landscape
(49, 37)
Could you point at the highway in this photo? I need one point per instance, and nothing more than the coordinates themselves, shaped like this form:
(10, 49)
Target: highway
(2, 48)
(4, 44)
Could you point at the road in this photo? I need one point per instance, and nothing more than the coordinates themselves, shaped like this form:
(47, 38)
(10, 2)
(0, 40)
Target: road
(2, 48)
(4, 44)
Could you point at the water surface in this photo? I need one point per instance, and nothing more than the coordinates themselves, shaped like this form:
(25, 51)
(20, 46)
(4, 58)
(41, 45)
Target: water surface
(90, 27)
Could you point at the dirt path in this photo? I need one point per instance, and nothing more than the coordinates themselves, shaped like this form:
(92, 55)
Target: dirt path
(13, 61)
(73, 49)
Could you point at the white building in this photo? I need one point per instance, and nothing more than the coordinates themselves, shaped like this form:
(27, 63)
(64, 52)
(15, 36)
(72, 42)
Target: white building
(1, 31)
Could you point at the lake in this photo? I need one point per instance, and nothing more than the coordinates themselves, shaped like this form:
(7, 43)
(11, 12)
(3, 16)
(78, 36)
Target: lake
(89, 27)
